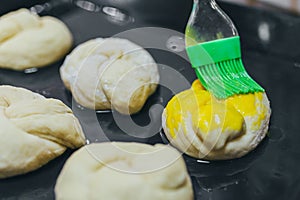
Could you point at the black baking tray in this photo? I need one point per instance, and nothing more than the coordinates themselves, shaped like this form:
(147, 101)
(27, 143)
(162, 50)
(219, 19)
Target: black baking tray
(271, 54)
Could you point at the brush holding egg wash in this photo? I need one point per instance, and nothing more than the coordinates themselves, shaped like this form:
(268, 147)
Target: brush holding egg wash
(213, 47)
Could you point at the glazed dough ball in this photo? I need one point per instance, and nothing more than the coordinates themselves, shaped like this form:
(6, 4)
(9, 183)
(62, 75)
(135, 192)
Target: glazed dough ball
(34, 130)
(27, 40)
(204, 127)
(124, 171)
(110, 73)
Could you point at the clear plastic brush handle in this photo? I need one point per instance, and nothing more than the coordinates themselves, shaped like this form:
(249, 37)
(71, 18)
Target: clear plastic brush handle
(208, 22)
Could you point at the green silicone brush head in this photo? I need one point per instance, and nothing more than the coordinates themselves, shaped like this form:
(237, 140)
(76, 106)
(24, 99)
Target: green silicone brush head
(220, 69)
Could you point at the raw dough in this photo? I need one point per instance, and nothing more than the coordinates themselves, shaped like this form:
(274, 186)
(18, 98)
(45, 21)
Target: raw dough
(110, 73)
(204, 127)
(124, 171)
(27, 40)
(34, 130)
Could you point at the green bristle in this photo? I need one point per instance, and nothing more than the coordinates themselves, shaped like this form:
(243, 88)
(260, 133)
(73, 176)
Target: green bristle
(227, 78)
(219, 67)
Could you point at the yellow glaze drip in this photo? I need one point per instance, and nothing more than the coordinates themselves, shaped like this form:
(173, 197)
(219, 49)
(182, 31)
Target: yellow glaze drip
(209, 114)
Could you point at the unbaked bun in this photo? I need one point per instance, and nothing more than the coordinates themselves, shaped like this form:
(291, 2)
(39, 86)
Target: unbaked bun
(27, 40)
(110, 73)
(124, 171)
(34, 130)
(204, 127)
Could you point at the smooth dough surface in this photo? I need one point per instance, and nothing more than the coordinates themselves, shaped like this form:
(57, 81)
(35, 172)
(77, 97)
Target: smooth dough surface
(124, 171)
(27, 40)
(34, 130)
(204, 127)
(110, 73)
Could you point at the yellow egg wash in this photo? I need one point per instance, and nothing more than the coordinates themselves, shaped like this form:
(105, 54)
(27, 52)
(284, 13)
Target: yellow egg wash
(209, 114)
(219, 116)
(246, 103)
(177, 108)
(249, 105)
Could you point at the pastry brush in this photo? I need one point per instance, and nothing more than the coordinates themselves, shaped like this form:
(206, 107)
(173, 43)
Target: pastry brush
(213, 47)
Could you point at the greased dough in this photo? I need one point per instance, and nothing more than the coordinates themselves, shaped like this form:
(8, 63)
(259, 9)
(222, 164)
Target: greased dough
(27, 40)
(34, 130)
(124, 171)
(204, 127)
(110, 73)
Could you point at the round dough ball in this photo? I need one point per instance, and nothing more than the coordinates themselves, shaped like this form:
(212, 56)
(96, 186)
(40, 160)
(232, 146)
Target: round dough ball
(27, 40)
(34, 130)
(206, 128)
(110, 73)
(124, 171)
